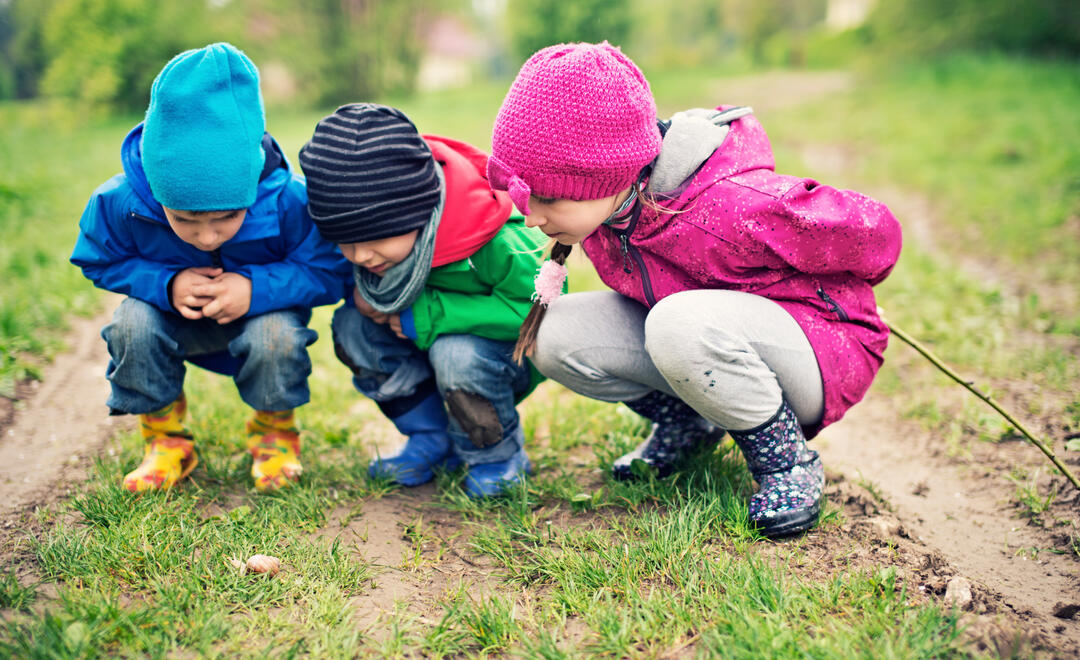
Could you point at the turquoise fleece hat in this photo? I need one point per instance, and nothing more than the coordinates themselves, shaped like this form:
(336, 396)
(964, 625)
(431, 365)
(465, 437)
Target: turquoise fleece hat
(202, 137)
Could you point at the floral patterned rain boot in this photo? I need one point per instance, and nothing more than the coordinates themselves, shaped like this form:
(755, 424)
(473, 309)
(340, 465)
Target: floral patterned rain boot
(790, 475)
(274, 443)
(678, 431)
(169, 454)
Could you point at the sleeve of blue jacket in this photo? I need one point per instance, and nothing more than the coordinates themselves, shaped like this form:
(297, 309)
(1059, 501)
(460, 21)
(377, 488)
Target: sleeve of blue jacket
(106, 253)
(312, 273)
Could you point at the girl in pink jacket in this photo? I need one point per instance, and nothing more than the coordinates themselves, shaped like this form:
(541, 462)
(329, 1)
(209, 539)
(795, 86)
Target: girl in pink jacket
(742, 298)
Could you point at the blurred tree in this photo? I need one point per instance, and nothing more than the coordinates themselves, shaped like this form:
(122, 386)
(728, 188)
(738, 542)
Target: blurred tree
(930, 26)
(534, 24)
(366, 47)
(106, 52)
(687, 33)
(758, 22)
(339, 51)
(22, 50)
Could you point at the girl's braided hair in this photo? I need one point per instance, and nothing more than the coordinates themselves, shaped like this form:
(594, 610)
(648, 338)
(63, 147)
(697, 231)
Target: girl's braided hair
(526, 342)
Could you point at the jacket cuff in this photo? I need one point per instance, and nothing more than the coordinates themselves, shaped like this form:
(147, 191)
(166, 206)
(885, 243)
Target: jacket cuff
(408, 323)
(165, 290)
(260, 283)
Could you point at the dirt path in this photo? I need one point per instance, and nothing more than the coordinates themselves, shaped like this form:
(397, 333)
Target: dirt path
(963, 513)
(961, 508)
(52, 441)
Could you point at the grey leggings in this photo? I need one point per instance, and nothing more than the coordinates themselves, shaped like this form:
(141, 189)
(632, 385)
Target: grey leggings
(731, 356)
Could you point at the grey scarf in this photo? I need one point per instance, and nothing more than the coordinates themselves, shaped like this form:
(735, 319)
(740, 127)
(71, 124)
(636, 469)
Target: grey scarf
(400, 285)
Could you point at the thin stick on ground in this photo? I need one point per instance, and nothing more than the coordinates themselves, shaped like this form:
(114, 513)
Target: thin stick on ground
(971, 387)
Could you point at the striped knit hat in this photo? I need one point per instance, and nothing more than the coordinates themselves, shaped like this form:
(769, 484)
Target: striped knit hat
(369, 174)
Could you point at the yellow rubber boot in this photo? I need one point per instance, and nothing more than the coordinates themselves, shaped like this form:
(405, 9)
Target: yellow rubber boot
(169, 455)
(274, 444)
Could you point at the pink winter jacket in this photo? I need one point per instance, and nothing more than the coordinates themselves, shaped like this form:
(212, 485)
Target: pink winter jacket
(736, 224)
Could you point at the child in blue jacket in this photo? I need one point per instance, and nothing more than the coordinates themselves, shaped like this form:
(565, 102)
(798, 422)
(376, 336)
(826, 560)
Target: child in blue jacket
(207, 234)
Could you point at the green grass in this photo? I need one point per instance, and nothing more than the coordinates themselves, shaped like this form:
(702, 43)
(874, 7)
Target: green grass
(633, 569)
(577, 564)
(49, 165)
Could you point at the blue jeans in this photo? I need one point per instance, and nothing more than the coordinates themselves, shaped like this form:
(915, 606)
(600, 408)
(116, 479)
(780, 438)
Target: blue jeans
(266, 355)
(475, 376)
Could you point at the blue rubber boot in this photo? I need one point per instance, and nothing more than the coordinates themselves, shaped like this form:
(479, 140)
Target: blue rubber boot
(678, 432)
(428, 445)
(491, 479)
(791, 476)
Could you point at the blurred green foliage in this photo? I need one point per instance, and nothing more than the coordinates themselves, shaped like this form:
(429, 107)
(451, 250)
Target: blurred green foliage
(934, 27)
(534, 24)
(364, 48)
(105, 53)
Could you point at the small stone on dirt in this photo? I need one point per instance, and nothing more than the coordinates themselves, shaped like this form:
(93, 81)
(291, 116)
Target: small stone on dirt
(958, 592)
(1066, 611)
(885, 527)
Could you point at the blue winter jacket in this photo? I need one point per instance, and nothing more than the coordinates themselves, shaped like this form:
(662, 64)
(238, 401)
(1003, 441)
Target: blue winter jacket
(126, 245)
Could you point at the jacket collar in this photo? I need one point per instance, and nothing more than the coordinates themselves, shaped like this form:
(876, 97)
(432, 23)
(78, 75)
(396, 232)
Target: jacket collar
(729, 138)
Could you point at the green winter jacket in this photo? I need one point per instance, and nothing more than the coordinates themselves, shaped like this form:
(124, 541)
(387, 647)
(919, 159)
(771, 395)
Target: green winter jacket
(487, 294)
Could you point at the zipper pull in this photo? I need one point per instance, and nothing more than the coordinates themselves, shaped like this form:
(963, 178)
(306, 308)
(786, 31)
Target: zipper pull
(215, 258)
(627, 265)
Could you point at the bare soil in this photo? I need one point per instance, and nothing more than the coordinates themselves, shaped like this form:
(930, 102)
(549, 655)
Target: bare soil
(50, 437)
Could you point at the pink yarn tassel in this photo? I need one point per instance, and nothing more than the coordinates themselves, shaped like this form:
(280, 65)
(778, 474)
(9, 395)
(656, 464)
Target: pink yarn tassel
(549, 282)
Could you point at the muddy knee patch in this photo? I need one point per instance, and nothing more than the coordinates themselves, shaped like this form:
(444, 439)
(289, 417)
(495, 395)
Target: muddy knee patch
(476, 416)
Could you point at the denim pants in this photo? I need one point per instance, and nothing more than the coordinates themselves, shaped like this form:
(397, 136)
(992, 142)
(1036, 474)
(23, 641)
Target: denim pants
(266, 355)
(475, 377)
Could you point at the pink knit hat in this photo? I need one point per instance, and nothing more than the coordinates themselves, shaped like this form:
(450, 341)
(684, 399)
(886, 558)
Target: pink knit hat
(578, 123)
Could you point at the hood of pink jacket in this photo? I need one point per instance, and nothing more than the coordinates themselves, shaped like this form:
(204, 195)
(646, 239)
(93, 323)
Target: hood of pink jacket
(736, 224)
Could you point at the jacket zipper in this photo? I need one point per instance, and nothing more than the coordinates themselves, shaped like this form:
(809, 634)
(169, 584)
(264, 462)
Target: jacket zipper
(629, 252)
(832, 305)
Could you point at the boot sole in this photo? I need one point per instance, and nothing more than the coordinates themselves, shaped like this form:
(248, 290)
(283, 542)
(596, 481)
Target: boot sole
(410, 478)
(627, 474)
(789, 524)
(474, 492)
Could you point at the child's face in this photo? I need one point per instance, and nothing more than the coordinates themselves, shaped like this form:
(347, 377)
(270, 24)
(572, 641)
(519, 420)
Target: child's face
(380, 255)
(569, 221)
(206, 230)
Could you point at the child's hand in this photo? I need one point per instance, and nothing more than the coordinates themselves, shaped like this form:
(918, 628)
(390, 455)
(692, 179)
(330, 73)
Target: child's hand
(182, 295)
(367, 310)
(231, 293)
(395, 324)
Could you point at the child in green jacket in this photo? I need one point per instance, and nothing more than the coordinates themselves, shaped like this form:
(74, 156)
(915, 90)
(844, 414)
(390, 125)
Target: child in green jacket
(444, 275)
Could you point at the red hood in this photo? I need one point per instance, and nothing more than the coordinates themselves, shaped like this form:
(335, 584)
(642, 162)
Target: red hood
(473, 212)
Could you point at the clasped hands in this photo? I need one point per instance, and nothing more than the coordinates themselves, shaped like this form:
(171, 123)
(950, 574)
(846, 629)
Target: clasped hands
(211, 293)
